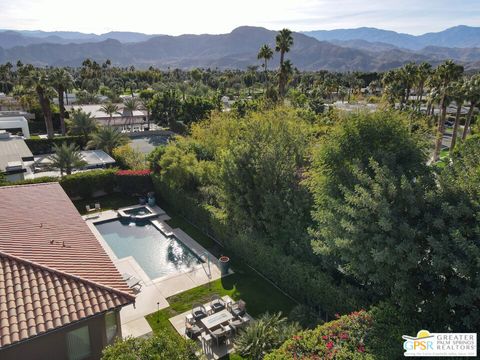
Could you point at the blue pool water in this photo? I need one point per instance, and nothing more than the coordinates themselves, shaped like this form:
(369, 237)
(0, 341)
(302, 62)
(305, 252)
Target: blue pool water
(157, 254)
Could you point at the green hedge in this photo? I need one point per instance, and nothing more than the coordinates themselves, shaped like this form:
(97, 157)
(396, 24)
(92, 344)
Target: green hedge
(39, 180)
(45, 146)
(302, 280)
(85, 184)
(134, 182)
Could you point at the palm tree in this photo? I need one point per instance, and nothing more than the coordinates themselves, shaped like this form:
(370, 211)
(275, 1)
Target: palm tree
(265, 53)
(110, 109)
(283, 43)
(408, 74)
(107, 139)
(263, 335)
(61, 81)
(458, 94)
(66, 158)
(130, 106)
(38, 80)
(473, 95)
(423, 73)
(446, 73)
(83, 123)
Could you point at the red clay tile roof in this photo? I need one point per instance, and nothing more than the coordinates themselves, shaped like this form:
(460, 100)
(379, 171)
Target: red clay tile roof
(35, 299)
(47, 246)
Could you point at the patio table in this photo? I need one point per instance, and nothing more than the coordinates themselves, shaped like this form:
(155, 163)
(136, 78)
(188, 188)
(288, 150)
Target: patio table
(216, 319)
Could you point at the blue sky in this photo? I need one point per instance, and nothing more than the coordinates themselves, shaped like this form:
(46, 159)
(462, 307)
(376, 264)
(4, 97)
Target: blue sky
(220, 16)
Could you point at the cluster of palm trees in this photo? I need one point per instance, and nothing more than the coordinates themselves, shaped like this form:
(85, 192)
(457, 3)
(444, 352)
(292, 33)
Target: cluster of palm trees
(283, 44)
(444, 85)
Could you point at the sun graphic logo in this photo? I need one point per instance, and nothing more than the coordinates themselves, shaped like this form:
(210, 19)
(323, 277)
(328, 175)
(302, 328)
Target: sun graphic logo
(424, 341)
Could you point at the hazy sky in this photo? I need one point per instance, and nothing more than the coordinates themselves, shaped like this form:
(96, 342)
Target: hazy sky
(220, 16)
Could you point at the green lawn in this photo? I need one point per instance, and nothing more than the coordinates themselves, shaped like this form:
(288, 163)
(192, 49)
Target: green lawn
(107, 202)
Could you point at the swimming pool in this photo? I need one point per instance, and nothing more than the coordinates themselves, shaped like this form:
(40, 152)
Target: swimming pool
(157, 254)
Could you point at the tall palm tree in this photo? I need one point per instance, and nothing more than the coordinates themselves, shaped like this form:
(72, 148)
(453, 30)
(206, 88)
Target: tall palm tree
(283, 43)
(61, 81)
(110, 109)
(446, 73)
(38, 80)
(65, 158)
(107, 139)
(83, 123)
(265, 53)
(457, 92)
(473, 95)
(130, 106)
(423, 73)
(408, 74)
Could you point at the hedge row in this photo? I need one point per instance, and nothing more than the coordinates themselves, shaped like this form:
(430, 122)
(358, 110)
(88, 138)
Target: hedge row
(86, 184)
(45, 146)
(301, 280)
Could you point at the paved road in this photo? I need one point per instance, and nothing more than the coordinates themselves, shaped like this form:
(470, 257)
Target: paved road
(146, 144)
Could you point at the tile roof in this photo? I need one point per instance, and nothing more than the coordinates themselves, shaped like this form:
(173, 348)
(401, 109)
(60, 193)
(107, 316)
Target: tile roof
(45, 246)
(35, 299)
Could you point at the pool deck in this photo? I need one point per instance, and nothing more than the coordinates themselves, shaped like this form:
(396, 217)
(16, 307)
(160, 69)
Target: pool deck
(153, 293)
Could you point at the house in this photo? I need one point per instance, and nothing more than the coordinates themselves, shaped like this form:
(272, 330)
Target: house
(15, 123)
(123, 119)
(16, 159)
(60, 294)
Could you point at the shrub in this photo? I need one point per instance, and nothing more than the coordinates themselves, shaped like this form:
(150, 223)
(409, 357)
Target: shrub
(45, 146)
(39, 180)
(134, 181)
(128, 157)
(344, 338)
(85, 184)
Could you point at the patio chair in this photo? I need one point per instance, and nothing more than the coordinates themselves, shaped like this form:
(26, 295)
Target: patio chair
(199, 312)
(217, 303)
(193, 331)
(236, 324)
(238, 308)
(218, 335)
(97, 206)
(88, 208)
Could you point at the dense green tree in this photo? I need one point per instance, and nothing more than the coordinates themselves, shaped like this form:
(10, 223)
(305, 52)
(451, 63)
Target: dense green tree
(166, 108)
(161, 346)
(371, 168)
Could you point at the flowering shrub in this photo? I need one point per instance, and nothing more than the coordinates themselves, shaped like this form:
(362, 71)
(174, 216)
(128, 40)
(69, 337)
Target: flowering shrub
(134, 181)
(343, 338)
(134, 172)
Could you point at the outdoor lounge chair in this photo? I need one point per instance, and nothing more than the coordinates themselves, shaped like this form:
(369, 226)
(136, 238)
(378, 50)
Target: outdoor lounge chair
(237, 308)
(217, 303)
(199, 312)
(97, 206)
(134, 282)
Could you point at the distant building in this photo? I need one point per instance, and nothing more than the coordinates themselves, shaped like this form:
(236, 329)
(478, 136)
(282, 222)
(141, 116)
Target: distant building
(16, 158)
(123, 119)
(15, 123)
(60, 294)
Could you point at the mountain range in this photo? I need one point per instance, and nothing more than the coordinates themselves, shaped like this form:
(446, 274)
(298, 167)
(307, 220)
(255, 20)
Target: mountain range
(363, 49)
